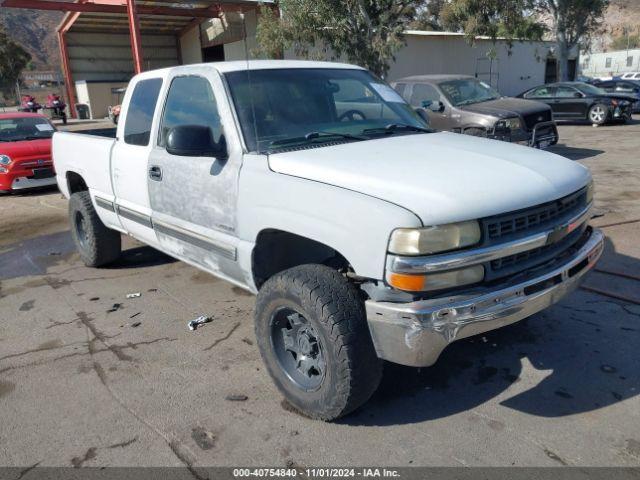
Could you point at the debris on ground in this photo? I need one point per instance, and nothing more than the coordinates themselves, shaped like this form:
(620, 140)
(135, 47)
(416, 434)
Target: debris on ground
(247, 341)
(94, 299)
(194, 324)
(136, 324)
(152, 290)
(135, 315)
(134, 295)
(608, 369)
(236, 398)
(115, 308)
(54, 254)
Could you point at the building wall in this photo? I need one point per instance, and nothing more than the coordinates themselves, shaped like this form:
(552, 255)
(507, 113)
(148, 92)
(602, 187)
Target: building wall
(100, 57)
(512, 73)
(190, 46)
(98, 96)
(595, 64)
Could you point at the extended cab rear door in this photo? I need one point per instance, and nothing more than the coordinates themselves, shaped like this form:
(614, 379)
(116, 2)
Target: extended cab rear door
(130, 156)
(194, 198)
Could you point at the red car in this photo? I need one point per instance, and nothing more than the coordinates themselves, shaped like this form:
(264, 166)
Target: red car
(25, 151)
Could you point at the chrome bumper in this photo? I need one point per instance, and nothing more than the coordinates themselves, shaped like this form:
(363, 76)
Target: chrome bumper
(415, 334)
(21, 183)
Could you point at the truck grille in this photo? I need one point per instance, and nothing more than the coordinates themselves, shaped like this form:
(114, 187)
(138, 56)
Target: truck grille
(501, 228)
(531, 119)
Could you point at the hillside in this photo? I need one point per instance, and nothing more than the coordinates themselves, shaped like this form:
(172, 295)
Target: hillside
(36, 32)
(621, 14)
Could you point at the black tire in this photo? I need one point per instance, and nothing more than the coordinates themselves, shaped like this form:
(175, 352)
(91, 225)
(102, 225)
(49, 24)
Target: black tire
(598, 114)
(333, 309)
(97, 244)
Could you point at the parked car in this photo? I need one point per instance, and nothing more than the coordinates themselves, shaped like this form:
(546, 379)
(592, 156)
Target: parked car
(581, 101)
(463, 104)
(630, 76)
(364, 235)
(625, 87)
(25, 151)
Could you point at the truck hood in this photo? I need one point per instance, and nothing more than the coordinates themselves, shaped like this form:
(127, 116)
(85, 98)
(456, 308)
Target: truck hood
(506, 107)
(441, 177)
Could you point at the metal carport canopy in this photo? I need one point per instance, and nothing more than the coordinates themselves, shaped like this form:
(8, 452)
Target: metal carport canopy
(132, 16)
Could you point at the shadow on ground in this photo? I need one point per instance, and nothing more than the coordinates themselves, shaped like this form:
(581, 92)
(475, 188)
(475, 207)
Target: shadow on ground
(583, 351)
(36, 256)
(574, 153)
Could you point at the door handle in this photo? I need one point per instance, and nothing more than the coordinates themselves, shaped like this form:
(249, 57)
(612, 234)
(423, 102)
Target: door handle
(155, 173)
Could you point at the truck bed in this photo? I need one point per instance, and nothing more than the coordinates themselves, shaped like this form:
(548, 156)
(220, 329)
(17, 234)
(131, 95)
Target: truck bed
(87, 154)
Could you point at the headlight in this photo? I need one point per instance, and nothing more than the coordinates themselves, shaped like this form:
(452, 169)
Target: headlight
(423, 241)
(3, 170)
(511, 123)
(5, 160)
(436, 281)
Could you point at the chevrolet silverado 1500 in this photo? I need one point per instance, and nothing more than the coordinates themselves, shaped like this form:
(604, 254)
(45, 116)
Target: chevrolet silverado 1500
(365, 235)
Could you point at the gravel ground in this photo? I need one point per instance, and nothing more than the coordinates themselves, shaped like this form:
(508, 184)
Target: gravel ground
(91, 378)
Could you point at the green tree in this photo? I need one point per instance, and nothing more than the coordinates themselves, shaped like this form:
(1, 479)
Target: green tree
(573, 23)
(508, 19)
(13, 59)
(365, 32)
(429, 16)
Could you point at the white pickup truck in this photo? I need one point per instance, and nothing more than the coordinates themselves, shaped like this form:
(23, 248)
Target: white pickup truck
(365, 235)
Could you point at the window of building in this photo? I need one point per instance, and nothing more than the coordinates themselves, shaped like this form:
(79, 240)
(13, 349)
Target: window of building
(142, 106)
(585, 63)
(629, 61)
(607, 62)
(190, 101)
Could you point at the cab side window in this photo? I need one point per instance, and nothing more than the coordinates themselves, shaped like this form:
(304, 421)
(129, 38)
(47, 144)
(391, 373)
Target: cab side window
(142, 106)
(423, 92)
(190, 101)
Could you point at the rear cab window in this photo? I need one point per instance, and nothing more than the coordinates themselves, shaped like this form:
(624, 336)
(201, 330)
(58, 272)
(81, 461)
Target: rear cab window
(142, 106)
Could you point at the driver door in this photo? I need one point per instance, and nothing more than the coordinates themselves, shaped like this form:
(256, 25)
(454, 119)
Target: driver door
(423, 92)
(193, 198)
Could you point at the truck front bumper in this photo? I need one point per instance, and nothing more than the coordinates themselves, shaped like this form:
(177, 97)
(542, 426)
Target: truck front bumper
(416, 333)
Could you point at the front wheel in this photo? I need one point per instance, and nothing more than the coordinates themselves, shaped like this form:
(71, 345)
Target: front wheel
(598, 114)
(312, 332)
(97, 244)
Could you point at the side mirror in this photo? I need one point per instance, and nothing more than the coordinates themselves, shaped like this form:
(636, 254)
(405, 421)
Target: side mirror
(577, 95)
(194, 141)
(426, 103)
(422, 113)
(437, 107)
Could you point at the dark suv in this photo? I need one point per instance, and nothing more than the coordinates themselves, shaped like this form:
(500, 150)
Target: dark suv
(464, 104)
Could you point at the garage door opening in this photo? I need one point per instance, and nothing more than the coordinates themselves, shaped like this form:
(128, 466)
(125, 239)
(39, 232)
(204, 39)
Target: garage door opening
(213, 54)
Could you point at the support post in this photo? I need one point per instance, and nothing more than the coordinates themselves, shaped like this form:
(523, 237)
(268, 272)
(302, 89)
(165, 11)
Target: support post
(66, 70)
(136, 40)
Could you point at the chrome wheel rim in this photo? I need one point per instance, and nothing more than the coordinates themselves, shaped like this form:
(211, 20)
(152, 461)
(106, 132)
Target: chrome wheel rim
(597, 114)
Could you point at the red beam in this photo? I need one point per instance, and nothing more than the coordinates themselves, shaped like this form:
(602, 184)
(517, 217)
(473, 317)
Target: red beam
(68, 79)
(98, 7)
(136, 40)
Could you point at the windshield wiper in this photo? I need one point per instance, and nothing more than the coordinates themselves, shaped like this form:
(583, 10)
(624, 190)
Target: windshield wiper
(313, 136)
(395, 127)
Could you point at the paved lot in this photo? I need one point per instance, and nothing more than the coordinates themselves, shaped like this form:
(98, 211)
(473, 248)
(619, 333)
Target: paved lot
(90, 378)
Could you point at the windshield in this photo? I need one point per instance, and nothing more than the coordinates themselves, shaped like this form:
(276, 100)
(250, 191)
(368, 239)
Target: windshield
(298, 106)
(25, 128)
(467, 91)
(589, 89)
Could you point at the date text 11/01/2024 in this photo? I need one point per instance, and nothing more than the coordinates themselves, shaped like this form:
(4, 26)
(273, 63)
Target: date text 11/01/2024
(315, 472)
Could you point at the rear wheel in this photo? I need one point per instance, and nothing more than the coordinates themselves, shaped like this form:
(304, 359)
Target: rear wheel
(312, 332)
(97, 244)
(598, 114)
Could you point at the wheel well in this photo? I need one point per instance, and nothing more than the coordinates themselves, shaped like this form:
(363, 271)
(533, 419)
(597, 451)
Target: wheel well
(76, 183)
(277, 250)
